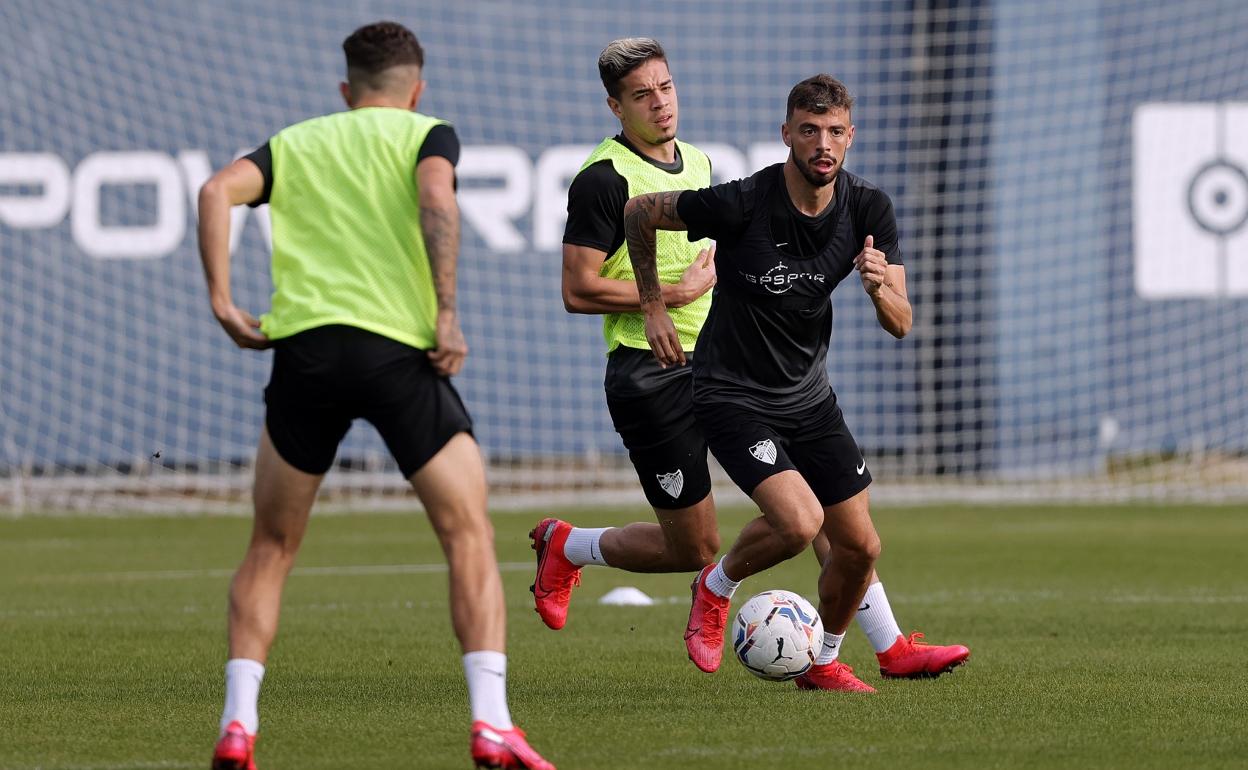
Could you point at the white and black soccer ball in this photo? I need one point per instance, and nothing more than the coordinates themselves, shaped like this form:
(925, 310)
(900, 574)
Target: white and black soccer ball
(777, 635)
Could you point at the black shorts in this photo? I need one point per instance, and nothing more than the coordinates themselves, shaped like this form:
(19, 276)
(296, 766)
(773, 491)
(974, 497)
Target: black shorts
(752, 446)
(652, 410)
(324, 378)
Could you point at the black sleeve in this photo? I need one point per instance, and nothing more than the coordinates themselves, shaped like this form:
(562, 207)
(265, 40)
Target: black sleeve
(874, 216)
(719, 211)
(596, 201)
(263, 158)
(441, 141)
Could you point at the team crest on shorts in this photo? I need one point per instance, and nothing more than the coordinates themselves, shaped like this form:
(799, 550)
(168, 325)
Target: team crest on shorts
(672, 483)
(764, 451)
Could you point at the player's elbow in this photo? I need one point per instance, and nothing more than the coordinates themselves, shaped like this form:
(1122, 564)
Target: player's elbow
(573, 302)
(902, 329)
(636, 216)
(211, 191)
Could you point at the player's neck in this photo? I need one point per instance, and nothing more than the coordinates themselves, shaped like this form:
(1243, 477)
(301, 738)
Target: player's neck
(663, 153)
(807, 198)
(380, 100)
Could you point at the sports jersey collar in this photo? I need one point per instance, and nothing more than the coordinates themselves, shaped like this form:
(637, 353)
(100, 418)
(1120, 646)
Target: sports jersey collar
(839, 185)
(675, 167)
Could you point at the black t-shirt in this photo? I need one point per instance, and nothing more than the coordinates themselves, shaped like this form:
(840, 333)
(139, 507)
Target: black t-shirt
(765, 342)
(596, 201)
(441, 141)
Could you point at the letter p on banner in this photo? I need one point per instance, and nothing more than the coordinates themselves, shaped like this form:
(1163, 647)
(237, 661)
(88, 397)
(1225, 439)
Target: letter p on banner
(1190, 200)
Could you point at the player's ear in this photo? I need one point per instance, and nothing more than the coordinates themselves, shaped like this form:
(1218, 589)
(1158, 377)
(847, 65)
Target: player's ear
(784, 134)
(344, 88)
(849, 141)
(418, 88)
(614, 104)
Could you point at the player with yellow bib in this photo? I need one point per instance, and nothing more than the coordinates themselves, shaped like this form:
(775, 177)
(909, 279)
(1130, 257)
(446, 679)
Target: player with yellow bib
(364, 324)
(651, 407)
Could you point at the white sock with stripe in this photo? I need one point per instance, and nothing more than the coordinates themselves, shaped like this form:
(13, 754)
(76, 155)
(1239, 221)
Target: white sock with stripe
(831, 648)
(486, 672)
(720, 584)
(584, 546)
(876, 618)
(242, 694)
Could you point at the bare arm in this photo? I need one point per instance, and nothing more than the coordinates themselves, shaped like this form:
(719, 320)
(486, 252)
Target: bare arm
(892, 306)
(238, 183)
(885, 284)
(439, 223)
(644, 216)
(585, 290)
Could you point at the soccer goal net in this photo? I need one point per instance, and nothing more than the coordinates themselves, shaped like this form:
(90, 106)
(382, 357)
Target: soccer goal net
(1069, 178)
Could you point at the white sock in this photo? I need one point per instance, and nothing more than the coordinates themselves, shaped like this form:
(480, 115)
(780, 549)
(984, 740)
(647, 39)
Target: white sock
(876, 618)
(242, 693)
(720, 584)
(583, 546)
(831, 648)
(486, 672)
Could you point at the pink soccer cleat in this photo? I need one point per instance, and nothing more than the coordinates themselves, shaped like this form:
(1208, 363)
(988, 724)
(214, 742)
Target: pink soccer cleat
(704, 636)
(832, 676)
(556, 576)
(506, 749)
(912, 659)
(236, 750)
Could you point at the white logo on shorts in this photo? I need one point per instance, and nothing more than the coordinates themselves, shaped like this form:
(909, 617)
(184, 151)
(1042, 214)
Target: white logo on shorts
(672, 483)
(764, 451)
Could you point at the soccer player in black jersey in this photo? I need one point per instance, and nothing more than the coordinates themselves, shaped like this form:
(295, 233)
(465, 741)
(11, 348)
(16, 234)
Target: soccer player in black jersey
(785, 237)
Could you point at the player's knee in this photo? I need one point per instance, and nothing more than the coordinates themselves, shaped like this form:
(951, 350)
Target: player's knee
(275, 542)
(860, 554)
(697, 555)
(470, 530)
(796, 537)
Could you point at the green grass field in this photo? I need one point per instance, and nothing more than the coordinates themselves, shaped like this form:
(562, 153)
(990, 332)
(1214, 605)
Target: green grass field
(1100, 637)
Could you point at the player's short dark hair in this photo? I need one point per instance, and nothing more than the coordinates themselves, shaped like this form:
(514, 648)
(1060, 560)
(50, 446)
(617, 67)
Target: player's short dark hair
(622, 56)
(375, 48)
(818, 95)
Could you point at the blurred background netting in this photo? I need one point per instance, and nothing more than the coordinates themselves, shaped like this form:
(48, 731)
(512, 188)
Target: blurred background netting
(1068, 179)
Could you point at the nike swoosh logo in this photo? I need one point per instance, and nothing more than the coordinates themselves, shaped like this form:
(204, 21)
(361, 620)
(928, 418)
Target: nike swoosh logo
(498, 674)
(690, 632)
(861, 467)
(864, 608)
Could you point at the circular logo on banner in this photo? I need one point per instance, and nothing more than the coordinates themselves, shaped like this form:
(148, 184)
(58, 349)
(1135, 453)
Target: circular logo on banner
(1218, 197)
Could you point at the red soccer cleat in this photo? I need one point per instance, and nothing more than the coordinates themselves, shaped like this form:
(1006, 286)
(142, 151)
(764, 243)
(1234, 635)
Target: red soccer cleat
(912, 659)
(506, 749)
(236, 750)
(556, 576)
(704, 636)
(832, 676)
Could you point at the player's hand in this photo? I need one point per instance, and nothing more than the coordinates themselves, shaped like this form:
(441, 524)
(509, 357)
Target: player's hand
(448, 357)
(699, 277)
(242, 327)
(663, 339)
(871, 265)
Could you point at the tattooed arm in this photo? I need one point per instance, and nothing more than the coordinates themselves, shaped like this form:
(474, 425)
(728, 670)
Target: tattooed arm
(643, 217)
(439, 223)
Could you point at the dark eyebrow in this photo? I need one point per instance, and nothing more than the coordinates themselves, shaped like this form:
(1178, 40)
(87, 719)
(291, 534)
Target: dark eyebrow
(641, 91)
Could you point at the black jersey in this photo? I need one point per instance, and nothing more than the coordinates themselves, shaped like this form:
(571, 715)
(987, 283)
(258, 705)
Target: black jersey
(765, 342)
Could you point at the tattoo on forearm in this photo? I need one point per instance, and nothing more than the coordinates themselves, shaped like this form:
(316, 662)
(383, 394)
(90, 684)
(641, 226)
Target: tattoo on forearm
(641, 220)
(441, 230)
